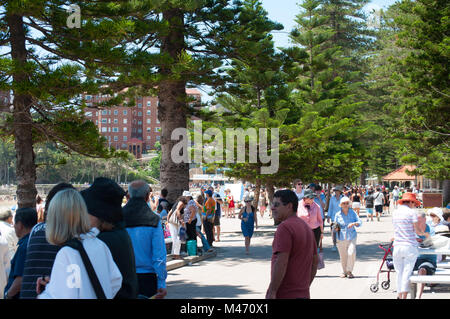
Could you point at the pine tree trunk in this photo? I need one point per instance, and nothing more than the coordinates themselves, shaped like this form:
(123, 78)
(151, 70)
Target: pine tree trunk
(257, 192)
(172, 108)
(22, 121)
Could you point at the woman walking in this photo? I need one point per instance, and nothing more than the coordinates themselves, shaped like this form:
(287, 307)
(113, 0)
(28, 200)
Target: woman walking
(67, 221)
(347, 220)
(262, 203)
(356, 201)
(249, 219)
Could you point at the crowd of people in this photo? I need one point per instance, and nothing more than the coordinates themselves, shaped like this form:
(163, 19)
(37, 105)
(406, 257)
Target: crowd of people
(48, 251)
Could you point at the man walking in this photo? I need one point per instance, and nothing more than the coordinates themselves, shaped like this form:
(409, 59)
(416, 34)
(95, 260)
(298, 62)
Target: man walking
(294, 251)
(208, 216)
(332, 210)
(147, 237)
(378, 200)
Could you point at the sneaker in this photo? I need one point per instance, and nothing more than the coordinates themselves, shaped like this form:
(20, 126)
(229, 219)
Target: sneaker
(350, 275)
(343, 275)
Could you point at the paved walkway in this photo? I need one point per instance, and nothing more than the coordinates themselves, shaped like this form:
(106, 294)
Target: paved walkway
(233, 274)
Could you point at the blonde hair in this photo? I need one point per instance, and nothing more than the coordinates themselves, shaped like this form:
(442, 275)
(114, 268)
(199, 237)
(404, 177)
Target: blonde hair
(67, 217)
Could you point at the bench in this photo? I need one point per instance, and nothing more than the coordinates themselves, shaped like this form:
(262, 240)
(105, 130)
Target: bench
(441, 276)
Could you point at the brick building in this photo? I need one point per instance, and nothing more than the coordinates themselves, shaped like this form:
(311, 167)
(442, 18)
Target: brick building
(136, 128)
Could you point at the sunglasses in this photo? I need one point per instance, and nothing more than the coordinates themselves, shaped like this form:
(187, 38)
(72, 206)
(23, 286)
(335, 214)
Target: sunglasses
(299, 184)
(345, 203)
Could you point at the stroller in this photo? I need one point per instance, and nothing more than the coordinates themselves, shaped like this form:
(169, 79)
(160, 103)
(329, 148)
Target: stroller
(387, 258)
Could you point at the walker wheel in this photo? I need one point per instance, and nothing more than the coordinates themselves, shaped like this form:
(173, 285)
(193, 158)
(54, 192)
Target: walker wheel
(374, 287)
(385, 285)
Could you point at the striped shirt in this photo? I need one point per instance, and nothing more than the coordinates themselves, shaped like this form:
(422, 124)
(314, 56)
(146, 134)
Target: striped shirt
(39, 261)
(403, 219)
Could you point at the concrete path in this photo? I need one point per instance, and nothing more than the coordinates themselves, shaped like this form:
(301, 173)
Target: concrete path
(233, 274)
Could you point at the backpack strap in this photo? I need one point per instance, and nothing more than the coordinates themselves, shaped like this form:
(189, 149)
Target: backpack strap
(77, 245)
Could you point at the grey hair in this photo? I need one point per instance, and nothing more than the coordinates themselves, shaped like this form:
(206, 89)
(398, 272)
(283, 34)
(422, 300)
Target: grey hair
(421, 214)
(138, 189)
(4, 215)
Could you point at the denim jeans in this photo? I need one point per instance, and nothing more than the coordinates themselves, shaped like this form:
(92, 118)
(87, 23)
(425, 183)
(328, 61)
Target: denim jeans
(205, 244)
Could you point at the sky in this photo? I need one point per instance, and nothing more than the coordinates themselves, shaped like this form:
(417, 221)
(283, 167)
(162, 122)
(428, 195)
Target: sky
(284, 12)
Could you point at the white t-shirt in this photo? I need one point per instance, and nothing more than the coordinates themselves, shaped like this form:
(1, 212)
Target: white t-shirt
(5, 263)
(69, 278)
(10, 234)
(378, 198)
(395, 192)
(403, 219)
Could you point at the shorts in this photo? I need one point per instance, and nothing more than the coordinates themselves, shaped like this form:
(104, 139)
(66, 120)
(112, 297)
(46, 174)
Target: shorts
(369, 211)
(425, 264)
(356, 205)
(379, 208)
(395, 198)
(217, 220)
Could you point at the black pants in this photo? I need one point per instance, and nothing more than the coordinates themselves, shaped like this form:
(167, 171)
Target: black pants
(148, 284)
(209, 231)
(191, 230)
(317, 232)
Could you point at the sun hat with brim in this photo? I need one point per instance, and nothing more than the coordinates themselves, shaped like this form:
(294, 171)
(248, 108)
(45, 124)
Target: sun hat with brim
(409, 197)
(104, 200)
(344, 199)
(437, 212)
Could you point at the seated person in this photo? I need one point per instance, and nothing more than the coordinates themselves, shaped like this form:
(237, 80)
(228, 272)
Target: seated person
(425, 264)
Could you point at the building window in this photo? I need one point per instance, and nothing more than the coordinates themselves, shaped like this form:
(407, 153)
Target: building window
(116, 121)
(115, 129)
(103, 129)
(149, 112)
(158, 138)
(149, 103)
(88, 113)
(125, 129)
(157, 129)
(147, 147)
(125, 138)
(139, 130)
(116, 112)
(140, 105)
(125, 112)
(104, 121)
(148, 137)
(157, 121)
(139, 122)
(116, 138)
(148, 129)
(139, 113)
(148, 121)
(104, 112)
(88, 97)
(125, 121)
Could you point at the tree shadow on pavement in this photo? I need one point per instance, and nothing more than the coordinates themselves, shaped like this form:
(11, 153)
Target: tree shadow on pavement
(193, 290)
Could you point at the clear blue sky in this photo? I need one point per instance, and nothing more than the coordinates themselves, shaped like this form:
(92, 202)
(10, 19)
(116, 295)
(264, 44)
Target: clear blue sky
(284, 12)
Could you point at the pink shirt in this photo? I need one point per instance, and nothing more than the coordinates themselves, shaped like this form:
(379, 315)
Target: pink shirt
(312, 217)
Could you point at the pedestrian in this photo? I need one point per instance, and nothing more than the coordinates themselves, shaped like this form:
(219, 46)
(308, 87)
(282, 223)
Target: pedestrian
(378, 201)
(249, 220)
(40, 253)
(333, 208)
(217, 214)
(5, 263)
(262, 202)
(147, 237)
(163, 199)
(294, 252)
(104, 204)
(208, 215)
(198, 225)
(24, 221)
(299, 191)
(395, 195)
(225, 205)
(174, 219)
(369, 205)
(7, 229)
(68, 222)
(425, 264)
(309, 211)
(190, 216)
(387, 201)
(231, 204)
(347, 220)
(40, 204)
(405, 253)
(356, 201)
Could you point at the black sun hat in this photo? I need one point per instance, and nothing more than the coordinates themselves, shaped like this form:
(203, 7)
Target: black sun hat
(104, 200)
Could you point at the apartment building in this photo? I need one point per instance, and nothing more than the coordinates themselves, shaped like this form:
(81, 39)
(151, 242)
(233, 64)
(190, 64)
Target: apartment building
(135, 129)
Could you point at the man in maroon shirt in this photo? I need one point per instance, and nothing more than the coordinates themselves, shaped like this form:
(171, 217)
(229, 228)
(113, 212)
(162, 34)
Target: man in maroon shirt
(294, 251)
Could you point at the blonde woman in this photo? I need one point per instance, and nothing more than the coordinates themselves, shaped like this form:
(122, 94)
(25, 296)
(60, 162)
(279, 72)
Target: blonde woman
(67, 218)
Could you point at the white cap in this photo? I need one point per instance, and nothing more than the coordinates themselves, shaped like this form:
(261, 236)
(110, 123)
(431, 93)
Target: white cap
(344, 199)
(187, 193)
